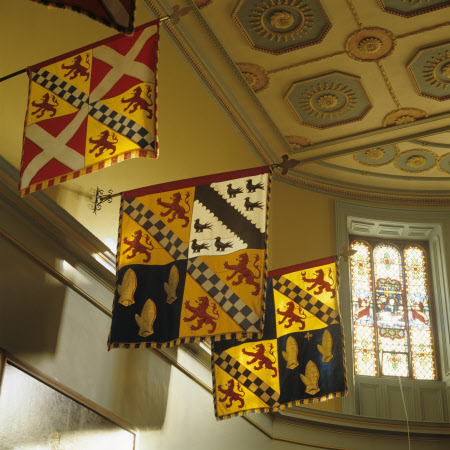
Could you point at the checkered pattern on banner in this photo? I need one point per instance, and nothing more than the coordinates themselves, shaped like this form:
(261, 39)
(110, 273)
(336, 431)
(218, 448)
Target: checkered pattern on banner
(165, 237)
(247, 378)
(306, 301)
(61, 88)
(123, 125)
(242, 314)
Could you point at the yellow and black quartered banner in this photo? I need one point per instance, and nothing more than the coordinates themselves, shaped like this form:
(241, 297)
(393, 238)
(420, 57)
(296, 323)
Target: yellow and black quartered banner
(300, 358)
(191, 261)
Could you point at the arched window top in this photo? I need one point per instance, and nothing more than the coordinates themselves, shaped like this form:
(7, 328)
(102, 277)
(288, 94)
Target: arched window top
(387, 262)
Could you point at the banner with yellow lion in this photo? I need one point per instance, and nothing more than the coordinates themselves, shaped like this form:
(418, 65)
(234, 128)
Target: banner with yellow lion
(300, 358)
(191, 261)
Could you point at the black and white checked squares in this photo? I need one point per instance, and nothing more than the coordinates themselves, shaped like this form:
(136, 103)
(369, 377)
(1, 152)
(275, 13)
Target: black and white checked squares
(61, 88)
(306, 300)
(241, 313)
(121, 124)
(247, 378)
(156, 228)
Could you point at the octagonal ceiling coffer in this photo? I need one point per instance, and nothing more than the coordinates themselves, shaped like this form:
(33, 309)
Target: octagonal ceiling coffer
(411, 8)
(328, 100)
(280, 26)
(430, 72)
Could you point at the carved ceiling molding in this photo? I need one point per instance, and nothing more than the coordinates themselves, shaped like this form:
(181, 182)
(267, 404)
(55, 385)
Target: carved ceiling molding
(280, 26)
(221, 76)
(328, 100)
(298, 142)
(403, 116)
(412, 8)
(255, 76)
(370, 44)
(358, 192)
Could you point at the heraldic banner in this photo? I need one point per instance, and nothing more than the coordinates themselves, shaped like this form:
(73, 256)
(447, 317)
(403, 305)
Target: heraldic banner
(90, 109)
(300, 358)
(191, 261)
(118, 14)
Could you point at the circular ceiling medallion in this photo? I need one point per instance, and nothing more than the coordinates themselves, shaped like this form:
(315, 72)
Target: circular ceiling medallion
(402, 116)
(444, 163)
(255, 76)
(282, 20)
(416, 161)
(370, 44)
(298, 142)
(377, 156)
(328, 101)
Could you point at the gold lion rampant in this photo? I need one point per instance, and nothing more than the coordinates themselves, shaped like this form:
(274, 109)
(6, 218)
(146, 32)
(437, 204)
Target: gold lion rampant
(327, 347)
(291, 353)
(311, 378)
(171, 286)
(146, 319)
(127, 289)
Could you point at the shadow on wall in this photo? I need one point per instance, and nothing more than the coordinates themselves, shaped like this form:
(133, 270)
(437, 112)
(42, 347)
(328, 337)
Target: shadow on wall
(31, 304)
(142, 383)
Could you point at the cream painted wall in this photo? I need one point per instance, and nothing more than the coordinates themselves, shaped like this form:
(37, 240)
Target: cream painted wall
(51, 327)
(301, 226)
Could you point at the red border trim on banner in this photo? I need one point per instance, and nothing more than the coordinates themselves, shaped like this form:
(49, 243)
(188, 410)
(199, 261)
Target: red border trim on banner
(198, 181)
(90, 46)
(303, 266)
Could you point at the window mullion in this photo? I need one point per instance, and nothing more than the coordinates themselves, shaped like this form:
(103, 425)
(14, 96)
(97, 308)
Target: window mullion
(375, 319)
(405, 298)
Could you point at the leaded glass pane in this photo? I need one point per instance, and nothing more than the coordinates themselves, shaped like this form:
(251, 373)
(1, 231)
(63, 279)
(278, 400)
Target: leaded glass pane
(390, 310)
(362, 304)
(422, 354)
(395, 364)
(419, 314)
(364, 348)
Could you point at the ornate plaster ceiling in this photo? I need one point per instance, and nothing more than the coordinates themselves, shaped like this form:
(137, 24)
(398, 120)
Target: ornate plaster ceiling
(358, 89)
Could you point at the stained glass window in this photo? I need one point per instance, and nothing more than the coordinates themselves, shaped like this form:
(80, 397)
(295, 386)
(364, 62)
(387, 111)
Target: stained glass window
(392, 334)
